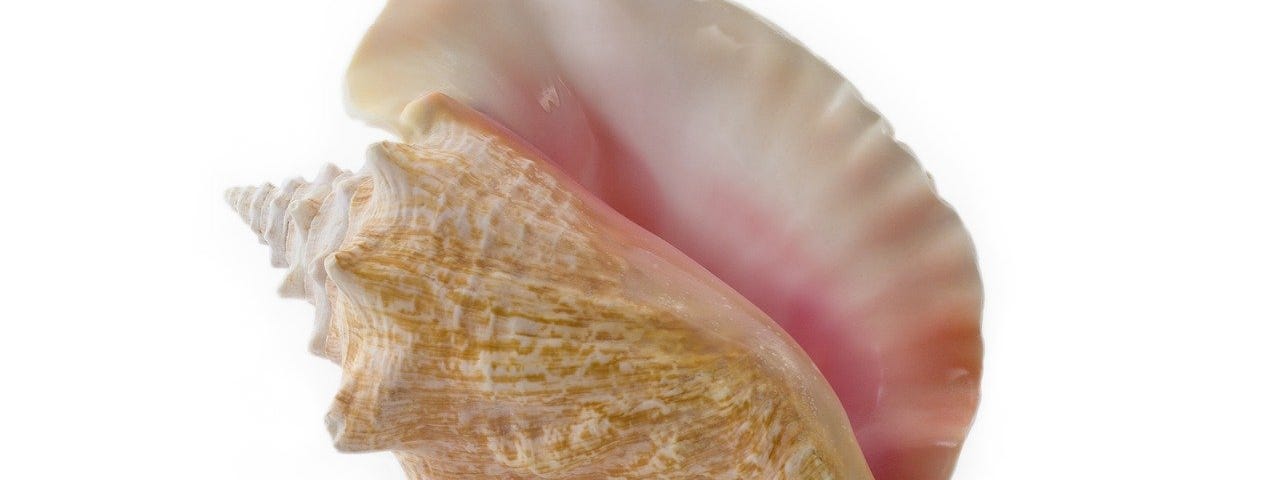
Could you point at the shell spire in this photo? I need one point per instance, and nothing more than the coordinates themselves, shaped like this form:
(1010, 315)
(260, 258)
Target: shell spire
(247, 201)
(285, 219)
(281, 216)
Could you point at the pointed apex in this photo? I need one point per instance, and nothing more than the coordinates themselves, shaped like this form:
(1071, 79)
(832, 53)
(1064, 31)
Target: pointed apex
(264, 209)
(238, 199)
(248, 201)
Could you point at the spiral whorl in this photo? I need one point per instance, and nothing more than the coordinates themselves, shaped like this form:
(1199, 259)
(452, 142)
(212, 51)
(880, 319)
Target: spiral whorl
(248, 201)
(282, 217)
(302, 222)
(262, 208)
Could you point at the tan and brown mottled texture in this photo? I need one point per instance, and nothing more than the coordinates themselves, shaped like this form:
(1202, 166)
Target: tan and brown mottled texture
(493, 320)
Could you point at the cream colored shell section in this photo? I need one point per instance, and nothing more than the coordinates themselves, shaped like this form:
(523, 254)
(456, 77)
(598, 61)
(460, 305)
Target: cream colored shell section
(493, 321)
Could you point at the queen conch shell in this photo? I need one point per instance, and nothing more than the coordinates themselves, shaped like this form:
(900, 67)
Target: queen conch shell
(674, 244)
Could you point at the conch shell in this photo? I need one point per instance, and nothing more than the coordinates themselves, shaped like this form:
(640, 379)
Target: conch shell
(493, 320)
(513, 309)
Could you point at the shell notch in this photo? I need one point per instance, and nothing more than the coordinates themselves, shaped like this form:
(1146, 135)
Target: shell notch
(494, 320)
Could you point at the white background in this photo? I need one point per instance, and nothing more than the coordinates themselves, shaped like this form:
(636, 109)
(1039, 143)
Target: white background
(1116, 162)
